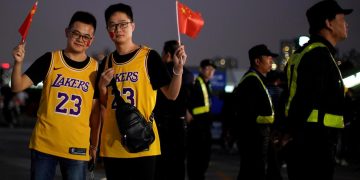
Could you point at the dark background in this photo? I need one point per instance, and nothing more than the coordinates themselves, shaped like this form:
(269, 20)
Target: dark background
(231, 26)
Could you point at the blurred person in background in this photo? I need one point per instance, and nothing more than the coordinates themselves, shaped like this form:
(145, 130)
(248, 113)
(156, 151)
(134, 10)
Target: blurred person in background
(255, 116)
(200, 122)
(170, 117)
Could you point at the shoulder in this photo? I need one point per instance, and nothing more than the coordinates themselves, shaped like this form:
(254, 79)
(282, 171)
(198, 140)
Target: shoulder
(154, 59)
(250, 77)
(147, 48)
(315, 49)
(94, 62)
(318, 54)
(47, 56)
(153, 54)
(251, 80)
(43, 60)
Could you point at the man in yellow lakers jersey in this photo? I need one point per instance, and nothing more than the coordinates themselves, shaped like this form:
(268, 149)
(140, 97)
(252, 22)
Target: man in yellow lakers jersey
(139, 73)
(68, 109)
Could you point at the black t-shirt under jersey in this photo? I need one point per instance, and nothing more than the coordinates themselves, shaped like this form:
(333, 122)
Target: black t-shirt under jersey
(158, 73)
(38, 70)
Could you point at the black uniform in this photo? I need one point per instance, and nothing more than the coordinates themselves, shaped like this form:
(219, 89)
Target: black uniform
(253, 137)
(199, 134)
(320, 88)
(170, 118)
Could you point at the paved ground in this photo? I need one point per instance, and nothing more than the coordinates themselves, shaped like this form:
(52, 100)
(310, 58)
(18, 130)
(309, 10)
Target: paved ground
(15, 162)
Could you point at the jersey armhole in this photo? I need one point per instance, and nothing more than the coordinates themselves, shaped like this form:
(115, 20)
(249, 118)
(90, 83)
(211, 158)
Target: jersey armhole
(50, 67)
(146, 63)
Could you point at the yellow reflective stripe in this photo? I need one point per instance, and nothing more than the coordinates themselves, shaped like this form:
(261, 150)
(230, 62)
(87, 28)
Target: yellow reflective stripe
(263, 85)
(313, 116)
(335, 121)
(262, 119)
(265, 119)
(291, 72)
(330, 120)
(206, 107)
(201, 110)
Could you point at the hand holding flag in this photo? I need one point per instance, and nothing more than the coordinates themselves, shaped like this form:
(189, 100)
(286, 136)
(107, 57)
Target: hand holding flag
(24, 28)
(189, 22)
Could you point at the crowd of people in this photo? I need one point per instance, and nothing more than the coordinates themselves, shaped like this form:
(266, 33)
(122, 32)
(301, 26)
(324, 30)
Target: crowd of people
(309, 110)
(12, 106)
(301, 112)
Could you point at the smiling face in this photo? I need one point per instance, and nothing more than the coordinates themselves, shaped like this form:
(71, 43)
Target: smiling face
(120, 28)
(79, 37)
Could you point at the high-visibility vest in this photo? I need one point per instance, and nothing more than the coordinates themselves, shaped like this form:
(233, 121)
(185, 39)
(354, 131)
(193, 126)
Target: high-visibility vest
(206, 107)
(330, 120)
(262, 119)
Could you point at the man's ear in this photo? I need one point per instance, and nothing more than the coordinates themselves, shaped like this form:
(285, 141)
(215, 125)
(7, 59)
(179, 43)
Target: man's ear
(66, 32)
(257, 61)
(328, 24)
(170, 56)
(165, 57)
(133, 26)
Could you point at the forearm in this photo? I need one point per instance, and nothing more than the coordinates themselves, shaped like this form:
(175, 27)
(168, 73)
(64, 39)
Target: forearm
(102, 95)
(16, 77)
(172, 90)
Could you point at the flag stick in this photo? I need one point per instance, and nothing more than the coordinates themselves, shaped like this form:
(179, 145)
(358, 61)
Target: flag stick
(177, 21)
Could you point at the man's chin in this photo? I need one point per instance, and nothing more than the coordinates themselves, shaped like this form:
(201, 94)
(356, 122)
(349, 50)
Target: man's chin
(79, 50)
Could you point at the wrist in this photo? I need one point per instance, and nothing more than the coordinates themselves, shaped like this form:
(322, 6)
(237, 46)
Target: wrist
(93, 147)
(102, 89)
(177, 73)
(18, 62)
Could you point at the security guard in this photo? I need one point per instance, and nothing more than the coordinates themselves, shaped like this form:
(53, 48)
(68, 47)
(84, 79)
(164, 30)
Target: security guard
(255, 114)
(315, 104)
(199, 135)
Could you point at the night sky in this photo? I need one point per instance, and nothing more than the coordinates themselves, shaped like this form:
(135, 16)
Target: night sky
(231, 26)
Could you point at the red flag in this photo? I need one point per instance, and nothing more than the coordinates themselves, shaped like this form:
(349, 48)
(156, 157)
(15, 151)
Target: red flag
(24, 28)
(190, 22)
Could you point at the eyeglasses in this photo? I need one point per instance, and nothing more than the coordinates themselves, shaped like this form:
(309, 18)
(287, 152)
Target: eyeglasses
(76, 35)
(122, 25)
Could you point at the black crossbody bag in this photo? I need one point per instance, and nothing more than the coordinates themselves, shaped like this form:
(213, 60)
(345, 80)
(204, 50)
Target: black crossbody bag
(136, 132)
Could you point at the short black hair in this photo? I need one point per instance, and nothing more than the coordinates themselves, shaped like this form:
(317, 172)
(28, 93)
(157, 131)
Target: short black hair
(170, 47)
(84, 17)
(120, 7)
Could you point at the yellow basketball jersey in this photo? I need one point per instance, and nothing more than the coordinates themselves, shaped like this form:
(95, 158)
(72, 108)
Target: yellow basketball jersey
(62, 128)
(133, 82)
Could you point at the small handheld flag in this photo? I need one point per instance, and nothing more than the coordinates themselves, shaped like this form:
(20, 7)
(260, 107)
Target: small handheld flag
(24, 28)
(189, 21)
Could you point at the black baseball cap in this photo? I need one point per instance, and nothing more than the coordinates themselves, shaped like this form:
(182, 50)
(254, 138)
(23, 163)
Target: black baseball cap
(260, 50)
(326, 9)
(207, 62)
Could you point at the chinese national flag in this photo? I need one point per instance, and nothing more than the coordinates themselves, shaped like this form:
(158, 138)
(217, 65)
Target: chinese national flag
(24, 28)
(190, 22)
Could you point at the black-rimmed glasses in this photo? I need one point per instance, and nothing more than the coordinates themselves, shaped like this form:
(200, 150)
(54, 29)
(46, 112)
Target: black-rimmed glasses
(122, 25)
(76, 35)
